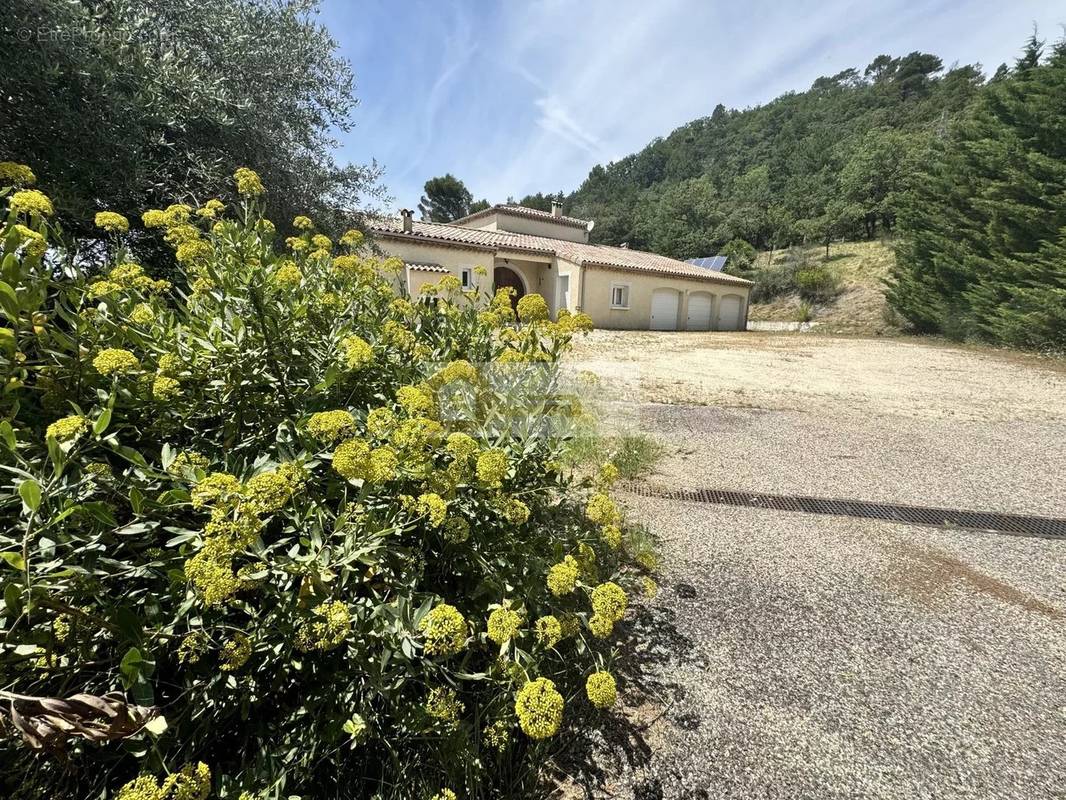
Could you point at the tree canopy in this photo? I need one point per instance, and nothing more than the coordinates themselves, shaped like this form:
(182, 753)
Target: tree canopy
(806, 167)
(447, 199)
(983, 250)
(123, 106)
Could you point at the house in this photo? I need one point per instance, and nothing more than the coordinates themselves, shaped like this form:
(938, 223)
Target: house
(550, 254)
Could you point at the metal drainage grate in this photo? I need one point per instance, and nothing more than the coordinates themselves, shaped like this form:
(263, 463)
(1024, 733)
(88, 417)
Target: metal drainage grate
(1046, 527)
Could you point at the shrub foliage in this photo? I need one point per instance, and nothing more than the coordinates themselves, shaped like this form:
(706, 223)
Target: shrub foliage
(247, 550)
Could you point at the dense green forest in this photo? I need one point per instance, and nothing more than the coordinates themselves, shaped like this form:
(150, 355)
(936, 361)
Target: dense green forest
(967, 173)
(828, 162)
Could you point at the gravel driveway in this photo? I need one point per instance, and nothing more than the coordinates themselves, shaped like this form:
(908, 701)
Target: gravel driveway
(801, 656)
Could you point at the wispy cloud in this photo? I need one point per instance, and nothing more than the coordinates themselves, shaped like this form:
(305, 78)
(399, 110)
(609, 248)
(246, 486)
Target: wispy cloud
(527, 96)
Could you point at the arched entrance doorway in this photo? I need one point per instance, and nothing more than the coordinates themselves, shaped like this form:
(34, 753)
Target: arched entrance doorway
(505, 276)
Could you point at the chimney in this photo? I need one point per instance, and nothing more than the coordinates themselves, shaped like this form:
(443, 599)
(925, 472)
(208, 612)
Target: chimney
(557, 208)
(408, 216)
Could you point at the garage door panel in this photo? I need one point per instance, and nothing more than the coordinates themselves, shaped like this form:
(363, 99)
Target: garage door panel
(699, 312)
(729, 308)
(664, 304)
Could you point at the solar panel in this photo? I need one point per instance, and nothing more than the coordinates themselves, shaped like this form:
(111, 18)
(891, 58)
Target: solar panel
(716, 263)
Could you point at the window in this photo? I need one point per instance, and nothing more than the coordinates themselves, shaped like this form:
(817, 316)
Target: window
(467, 275)
(619, 295)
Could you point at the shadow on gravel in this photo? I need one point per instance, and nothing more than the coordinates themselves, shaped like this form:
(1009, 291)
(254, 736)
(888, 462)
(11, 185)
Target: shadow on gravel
(620, 742)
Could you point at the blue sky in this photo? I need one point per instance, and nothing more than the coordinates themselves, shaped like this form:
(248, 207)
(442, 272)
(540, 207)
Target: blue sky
(519, 96)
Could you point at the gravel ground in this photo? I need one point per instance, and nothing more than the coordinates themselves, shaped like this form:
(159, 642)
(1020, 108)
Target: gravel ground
(797, 656)
(802, 656)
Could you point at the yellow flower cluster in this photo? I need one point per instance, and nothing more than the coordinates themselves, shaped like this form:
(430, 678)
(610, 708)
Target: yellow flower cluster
(16, 174)
(322, 243)
(607, 475)
(601, 509)
(612, 535)
(609, 601)
(459, 370)
(288, 275)
(503, 625)
(562, 577)
(444, 629)
(415, 400)
(539, 708)
(444, 706)
(210, 209)
(191, 782)
(513, 510)
(380, 422)
(302, 223)
(648, 560)
(397, 335)
(444, 794)
(329, 627)
(219, 489)
(36, 244)
(67, 428)
(112, 222)
(30, 201)
(165, 388)
(187, 460)
(248, 183)
(268, 492)
(352, 238)
(235, 652)
(433, 507)
(497, 735)
(549, 630)
(532, 308)
(115, 361)
(492, 467)
(192, 647)
(328, 426)
(355, 460)
(142, 314)
(649, 587)
(357, 352)
(601, 689)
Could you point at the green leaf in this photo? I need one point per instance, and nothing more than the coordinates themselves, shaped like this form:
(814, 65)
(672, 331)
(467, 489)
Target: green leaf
(14, 560)
(7, 433)
(9, 300)
(131, 664)
(102, 422)
(30, 492)
(13, 599)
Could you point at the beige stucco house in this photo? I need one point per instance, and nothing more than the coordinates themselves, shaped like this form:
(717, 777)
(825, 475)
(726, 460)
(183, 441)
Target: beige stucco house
(550, 254)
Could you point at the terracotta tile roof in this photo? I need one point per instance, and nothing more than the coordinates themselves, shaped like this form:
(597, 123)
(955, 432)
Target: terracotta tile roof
(426, 267)
(523, 211)
(591, 255)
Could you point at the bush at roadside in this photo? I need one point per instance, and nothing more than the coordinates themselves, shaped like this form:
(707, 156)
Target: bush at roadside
(243, 527)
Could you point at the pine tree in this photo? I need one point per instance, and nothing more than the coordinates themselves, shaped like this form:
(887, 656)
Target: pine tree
(985, 225)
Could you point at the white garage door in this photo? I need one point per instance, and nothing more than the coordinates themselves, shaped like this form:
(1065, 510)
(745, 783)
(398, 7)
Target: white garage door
(729, 313)
(699, 312)
(664, 310)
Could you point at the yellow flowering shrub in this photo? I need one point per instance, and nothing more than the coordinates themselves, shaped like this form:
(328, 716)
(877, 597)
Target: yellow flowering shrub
(247, 502)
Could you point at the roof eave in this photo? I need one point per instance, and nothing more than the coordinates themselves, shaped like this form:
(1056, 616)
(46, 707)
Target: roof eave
(710, 278)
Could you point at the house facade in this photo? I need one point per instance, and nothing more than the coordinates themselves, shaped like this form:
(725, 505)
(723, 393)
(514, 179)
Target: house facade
(549, 254)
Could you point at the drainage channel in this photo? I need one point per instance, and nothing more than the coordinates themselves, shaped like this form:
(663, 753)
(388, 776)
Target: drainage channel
(1019, 524)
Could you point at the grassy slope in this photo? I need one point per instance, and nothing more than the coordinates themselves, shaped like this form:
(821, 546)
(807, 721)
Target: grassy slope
(860, 307)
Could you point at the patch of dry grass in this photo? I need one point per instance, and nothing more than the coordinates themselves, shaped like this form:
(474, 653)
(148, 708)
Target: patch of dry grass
(860, 307)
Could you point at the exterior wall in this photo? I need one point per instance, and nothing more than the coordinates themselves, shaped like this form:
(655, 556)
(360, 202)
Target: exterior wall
(596, 298)
(590, 287)
(534, 227)
(452, 258)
